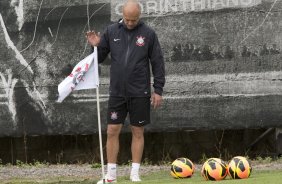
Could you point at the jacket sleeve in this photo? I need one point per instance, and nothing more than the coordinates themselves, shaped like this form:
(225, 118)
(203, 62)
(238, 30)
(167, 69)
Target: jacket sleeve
(157, 63)
(103, 47)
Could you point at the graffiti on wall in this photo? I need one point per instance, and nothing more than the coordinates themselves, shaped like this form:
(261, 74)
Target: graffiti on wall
(6, 98)
(240, 52)
(22, 70)
(191, 52)
(167, 7)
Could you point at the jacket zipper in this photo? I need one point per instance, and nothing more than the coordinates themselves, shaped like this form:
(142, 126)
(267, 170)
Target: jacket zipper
(127, 52)
(125, 64)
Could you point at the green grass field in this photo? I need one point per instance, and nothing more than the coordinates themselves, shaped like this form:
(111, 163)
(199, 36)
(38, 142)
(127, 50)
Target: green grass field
(262, 177)
(257, 177)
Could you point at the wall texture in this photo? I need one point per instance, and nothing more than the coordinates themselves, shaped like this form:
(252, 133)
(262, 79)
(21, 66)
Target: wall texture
(223, 64)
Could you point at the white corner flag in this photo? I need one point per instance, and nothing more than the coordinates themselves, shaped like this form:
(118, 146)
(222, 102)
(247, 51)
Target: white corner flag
(83, 76)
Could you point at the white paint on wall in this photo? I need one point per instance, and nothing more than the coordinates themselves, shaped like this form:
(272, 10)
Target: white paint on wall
(11, 45)
(19, 9)
(36, 96)
(42, 66)
(32, 92)
(8, 85)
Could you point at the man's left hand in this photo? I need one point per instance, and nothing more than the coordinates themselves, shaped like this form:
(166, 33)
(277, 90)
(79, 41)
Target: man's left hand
(156, 100)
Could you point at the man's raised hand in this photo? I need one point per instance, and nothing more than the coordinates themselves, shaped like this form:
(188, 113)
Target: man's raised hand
(93, 38)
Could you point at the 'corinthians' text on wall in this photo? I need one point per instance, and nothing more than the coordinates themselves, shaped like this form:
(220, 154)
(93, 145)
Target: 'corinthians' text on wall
(165, 7)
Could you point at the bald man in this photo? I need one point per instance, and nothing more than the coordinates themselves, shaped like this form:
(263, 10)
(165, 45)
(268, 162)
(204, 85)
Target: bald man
(133, 47)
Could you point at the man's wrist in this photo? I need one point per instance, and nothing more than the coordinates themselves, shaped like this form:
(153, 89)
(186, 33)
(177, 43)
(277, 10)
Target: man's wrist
(158, 91)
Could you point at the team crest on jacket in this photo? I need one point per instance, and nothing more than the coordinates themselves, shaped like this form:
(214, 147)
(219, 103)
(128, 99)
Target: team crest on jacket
(140, 41)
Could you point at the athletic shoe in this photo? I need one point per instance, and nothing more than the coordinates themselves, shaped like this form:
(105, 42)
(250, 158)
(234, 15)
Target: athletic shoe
(107, 180)
(135, 178)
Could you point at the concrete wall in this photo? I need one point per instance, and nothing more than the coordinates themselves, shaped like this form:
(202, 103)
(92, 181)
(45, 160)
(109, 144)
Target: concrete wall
(223, 65)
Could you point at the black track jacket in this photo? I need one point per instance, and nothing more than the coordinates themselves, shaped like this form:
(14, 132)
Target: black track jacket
(132, 52)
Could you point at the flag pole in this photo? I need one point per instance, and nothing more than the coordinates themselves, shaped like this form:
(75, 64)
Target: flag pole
(99, 126)
(100, 134)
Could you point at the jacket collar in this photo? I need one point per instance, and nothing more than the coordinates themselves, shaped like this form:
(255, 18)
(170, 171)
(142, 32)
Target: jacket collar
(122, 24)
